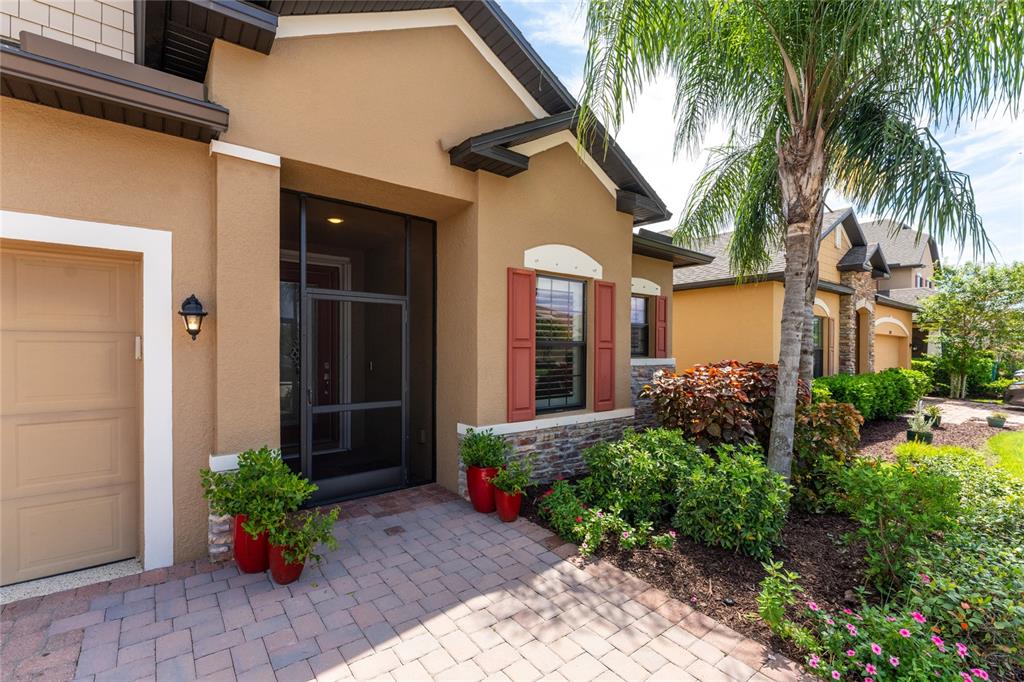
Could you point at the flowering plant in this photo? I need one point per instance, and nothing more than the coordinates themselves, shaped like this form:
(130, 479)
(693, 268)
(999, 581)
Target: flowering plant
(883, 644)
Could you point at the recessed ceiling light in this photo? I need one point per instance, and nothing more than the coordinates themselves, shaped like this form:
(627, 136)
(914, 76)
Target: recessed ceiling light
(335, 220)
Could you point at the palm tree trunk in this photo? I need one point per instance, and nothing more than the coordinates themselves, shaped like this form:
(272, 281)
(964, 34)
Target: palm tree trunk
(801, 184)
(807, 342)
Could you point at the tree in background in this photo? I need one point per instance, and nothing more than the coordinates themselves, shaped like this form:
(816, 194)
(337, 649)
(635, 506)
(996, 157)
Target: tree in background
(975, 308)
(814, 93)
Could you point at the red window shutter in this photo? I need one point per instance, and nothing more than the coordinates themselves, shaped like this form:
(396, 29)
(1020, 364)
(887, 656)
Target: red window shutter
(604, 346)
(661, 326)
(522, 346)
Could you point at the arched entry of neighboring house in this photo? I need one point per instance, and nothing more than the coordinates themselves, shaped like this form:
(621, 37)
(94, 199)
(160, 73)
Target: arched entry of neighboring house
(892, 344)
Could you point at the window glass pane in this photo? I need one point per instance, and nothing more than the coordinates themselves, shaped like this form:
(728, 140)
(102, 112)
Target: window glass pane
(561, 353)
(816, 332)
(638, 310)
(559, 310)
(638, 342)
(347, 443)
(559, 377)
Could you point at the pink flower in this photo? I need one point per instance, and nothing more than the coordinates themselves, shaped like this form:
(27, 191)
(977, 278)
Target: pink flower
(671, 533)
(894, 662)
(890, 619)
(937, 641)
(813, 661)
(836, 675)
(870, 669)
(830, 621)
(904, 632)
(875, 649)
(925, 579)
(579, 519)
(851, 653)
(980, 673)
(869, 679)
(625, 534)
(813, 606)
(916, 615)
(852, 628)
(848, 612)
(966, 677)
(961, 650)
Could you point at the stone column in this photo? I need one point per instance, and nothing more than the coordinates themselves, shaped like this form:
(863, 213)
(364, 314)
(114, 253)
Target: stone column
(850, 305)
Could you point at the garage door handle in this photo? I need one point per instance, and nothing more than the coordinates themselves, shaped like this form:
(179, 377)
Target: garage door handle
(138, 347)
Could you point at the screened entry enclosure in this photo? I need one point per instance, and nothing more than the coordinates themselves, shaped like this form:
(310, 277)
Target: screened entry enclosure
(357, 346)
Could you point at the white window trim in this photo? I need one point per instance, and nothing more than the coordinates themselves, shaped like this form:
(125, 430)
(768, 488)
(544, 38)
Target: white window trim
(157, 316)
(247, 153)
(299, 26)
(550, 422)
(893, 321)
(659, 362)
(644, 287)
(824, 306)
(562, 259)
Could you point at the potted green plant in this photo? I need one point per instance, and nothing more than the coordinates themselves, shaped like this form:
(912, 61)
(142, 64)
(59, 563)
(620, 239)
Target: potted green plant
(934, 414)
(919, 426)
(509, 483)
(294, 540)
(258, 495)
(482, 452)
(996, 419)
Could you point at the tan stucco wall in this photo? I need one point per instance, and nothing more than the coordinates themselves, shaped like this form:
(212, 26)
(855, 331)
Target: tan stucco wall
(829, 256)
(61, 164)
(659, 272)
(889, 353)
(382, 105)
(736, 322)
(558, 200)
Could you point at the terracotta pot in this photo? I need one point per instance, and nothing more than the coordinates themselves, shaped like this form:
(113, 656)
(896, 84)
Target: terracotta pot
(481, 491)
(508, 505)
(250, 553)
(920, 436)
(280, 570)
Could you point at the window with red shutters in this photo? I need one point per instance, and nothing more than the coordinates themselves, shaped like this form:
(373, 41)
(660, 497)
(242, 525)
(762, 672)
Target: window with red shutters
(661, 326)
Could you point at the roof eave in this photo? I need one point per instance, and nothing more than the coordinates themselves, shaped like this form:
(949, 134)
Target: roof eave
(644, 244)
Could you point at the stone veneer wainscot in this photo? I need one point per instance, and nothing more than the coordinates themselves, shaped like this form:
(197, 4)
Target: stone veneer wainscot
(642, 372)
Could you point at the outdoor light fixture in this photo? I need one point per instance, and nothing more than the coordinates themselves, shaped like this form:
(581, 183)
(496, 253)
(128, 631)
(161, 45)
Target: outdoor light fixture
(192, 313)
(334, 220)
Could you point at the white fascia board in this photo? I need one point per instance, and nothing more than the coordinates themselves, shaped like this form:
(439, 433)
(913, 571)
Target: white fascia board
(550, 422)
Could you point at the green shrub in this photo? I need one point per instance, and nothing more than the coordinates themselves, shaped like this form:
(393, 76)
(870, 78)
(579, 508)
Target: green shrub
(882, 395)
(937, 368)
(300, 534)
(899, 508)
(637, 474)
(920, 383)
(820, 392)
(483, 449)
(263, 488)
(726, 402)
(993, 389)
(826, 436)
(732, 500)
(562, 509)
(514, 476)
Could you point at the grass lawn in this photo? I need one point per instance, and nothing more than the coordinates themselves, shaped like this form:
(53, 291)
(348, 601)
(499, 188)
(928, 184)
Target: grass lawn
(1008, 450)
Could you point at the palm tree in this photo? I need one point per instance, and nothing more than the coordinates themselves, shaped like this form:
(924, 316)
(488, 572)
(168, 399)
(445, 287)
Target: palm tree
(815, 94)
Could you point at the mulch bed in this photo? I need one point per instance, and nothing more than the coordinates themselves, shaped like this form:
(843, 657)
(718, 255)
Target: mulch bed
(724, 585)
(878, 438)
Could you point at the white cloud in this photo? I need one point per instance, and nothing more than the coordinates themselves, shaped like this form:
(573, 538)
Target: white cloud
(553, 22)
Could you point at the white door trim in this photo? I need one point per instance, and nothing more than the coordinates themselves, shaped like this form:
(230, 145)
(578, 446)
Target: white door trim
(157, 318)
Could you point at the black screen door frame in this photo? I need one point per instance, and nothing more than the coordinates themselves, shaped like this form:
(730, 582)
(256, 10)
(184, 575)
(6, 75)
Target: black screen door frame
(376, 480)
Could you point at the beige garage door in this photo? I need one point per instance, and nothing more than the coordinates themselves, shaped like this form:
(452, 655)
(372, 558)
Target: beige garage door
(69, 405)
(888, 351)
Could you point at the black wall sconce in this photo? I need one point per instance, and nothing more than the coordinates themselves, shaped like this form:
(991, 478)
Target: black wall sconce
(192, 314)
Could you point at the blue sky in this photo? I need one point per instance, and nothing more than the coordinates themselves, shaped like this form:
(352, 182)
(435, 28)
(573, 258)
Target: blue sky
(990, 150)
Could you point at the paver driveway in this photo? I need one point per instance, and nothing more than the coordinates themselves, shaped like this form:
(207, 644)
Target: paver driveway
(420, 587)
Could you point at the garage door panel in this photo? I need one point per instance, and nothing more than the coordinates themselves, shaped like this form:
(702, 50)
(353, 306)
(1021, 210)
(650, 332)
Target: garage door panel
(57, 452)
(50, 534)
(54, 291)
(66, 371)
(70, 454)
(887, 351)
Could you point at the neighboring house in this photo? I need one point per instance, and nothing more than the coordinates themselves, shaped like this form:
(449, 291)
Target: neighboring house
(385, 215)
(912, 258)
(857, 326)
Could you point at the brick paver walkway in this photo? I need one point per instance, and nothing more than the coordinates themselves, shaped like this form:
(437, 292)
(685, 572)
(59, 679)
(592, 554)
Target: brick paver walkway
(421, 587)
(960, 411)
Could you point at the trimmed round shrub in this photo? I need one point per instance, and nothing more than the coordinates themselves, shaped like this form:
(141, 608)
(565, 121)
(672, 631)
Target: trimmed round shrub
(733, 500)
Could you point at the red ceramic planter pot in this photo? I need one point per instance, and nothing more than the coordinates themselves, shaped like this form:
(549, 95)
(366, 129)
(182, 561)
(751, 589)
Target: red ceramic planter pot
(280, 570)
(481, 491)
(508, 505)
(250, 553)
